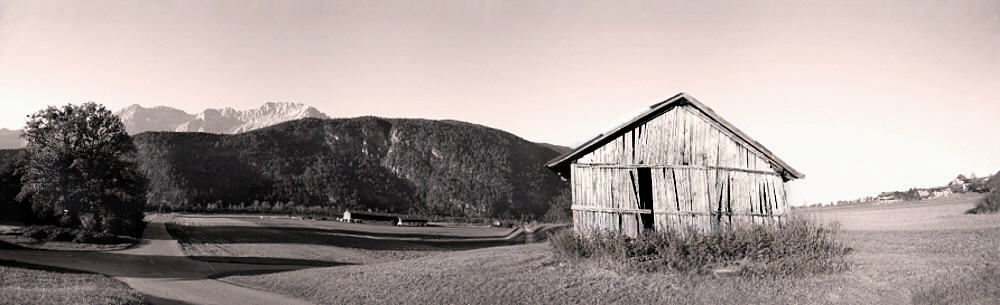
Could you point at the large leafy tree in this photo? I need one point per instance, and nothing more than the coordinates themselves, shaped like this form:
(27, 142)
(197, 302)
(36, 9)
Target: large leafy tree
(81, 170)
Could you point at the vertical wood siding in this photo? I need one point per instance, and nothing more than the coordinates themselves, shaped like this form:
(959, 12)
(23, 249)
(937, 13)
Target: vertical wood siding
(702, 177)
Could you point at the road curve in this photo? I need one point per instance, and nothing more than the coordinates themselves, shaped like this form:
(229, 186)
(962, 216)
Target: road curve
(158, 268)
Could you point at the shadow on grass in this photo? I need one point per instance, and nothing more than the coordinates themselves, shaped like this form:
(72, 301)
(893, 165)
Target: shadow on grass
(10, 246)
(117, 264)
(268, 261)
(17, 264)
(428, 237)
(332, 237)
(65, 272)
(162, 301)
(249, 272)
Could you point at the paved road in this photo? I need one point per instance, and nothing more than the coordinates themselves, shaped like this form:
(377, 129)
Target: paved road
(158, 268)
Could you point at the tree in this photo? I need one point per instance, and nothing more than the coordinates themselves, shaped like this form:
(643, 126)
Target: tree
(993, 183)
(560, 208)
(81, 171)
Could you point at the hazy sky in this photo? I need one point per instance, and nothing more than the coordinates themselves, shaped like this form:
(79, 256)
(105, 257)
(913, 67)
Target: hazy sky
(861, 96)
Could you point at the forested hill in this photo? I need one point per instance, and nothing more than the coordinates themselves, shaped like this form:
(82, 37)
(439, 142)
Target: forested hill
(396, 165)
(557, 148)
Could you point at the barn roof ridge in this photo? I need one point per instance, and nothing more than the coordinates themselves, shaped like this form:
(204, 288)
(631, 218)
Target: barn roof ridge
(656, 109)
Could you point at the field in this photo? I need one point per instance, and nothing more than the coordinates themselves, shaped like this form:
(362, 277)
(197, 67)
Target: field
(25, 284)
(322, 243)
(925, 252)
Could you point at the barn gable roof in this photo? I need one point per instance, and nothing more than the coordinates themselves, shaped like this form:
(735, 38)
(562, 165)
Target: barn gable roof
(561, 163)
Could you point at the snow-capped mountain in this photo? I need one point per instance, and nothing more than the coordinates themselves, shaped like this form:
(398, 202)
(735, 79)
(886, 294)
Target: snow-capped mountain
(139, 119)
(160, 118)
(227, 120)
(274, 113)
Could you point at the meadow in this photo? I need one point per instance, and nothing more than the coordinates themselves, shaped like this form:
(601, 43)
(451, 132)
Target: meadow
(926, 252)
(923, 252)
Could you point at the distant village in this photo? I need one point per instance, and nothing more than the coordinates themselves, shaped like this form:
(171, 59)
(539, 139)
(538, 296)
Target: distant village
(961, 184)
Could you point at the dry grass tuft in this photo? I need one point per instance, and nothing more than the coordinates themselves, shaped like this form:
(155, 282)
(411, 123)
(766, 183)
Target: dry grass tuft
(796, 247)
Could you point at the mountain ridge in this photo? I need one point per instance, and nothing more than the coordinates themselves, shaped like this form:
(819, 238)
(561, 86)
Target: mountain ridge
(138, 119)
(413, 166)
(10, 138)
(397, 165)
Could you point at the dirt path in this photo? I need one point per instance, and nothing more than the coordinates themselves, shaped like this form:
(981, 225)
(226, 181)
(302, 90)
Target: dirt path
(158, 268)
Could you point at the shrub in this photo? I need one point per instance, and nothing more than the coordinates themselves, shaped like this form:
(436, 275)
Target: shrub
(795, 247)
(988, 204)
(36, 232)
(50, 233)
(89, 222)
(991, 202)
(993, 182)
(62, 234)
(54, 233)
(95, 238)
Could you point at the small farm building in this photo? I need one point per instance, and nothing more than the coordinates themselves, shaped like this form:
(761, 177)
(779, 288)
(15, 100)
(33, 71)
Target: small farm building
(677, 165)
(384, 218)
(360, 216)
(411, 222)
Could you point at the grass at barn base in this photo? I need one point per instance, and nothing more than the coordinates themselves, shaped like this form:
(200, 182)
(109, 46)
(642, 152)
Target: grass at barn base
(797, 246)
(27, 284)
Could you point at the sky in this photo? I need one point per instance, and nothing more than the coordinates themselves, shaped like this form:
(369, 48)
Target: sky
(860, 96)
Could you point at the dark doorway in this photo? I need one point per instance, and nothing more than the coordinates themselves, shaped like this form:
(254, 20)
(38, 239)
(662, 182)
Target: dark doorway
(646, 197)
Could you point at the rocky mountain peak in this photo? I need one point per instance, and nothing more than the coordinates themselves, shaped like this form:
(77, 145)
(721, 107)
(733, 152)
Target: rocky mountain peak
(227, 120)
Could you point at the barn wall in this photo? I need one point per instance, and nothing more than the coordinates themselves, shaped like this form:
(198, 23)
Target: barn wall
(701, 177)
(681, 136)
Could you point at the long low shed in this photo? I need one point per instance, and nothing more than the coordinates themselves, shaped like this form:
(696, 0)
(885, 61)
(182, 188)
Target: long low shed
(359, 216)
(677, 165)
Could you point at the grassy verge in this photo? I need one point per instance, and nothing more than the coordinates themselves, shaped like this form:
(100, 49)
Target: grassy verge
(797, 246)
(22, 283)
(898, 249)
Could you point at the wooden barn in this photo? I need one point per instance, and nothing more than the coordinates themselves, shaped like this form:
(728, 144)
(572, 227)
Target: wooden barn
(677, 165)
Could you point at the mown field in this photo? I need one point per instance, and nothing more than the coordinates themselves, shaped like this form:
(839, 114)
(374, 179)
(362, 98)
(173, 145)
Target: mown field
(321, 243)
(26, 284)
(925, 252)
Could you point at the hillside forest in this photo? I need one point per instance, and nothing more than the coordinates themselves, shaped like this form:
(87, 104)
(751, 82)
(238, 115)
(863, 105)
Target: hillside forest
(325, 166)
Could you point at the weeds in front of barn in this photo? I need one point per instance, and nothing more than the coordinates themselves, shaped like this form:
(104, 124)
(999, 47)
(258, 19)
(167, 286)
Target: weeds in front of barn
(797, 246)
